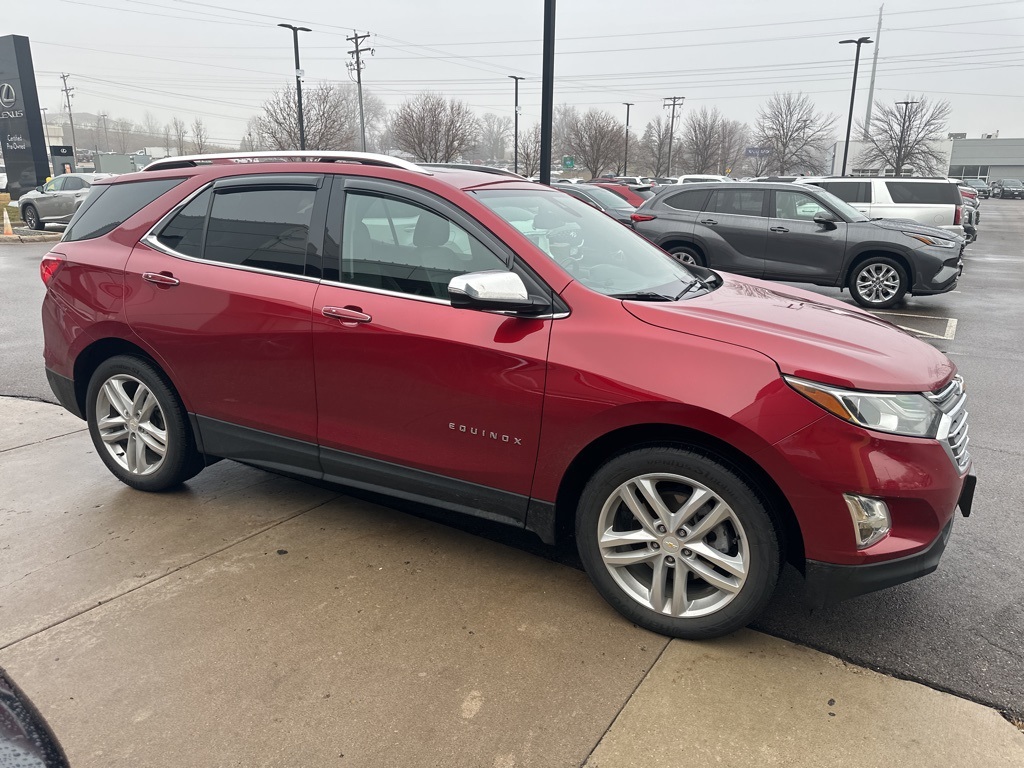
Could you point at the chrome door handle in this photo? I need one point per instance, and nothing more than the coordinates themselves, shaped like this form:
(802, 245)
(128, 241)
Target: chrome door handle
(346, 314)
(708, 221)
(160, 278)
(779, 229)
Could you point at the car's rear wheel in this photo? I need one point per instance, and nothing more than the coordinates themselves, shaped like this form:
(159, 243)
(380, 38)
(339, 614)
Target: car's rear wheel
(31, 217)
(139, 426)
(677, 543)
(878, 282)
(687, 255)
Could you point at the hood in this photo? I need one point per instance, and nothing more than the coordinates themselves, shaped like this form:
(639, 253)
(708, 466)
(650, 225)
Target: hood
(908, 225)
(807, 335)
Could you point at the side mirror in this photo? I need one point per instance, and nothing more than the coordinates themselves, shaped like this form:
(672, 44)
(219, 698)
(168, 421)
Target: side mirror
(39, 188)
(495, 291)
(825, 219)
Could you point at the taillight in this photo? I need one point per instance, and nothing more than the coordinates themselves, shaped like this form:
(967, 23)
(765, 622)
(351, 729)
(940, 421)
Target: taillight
(49, 266)
(641, 217)
(957, 216)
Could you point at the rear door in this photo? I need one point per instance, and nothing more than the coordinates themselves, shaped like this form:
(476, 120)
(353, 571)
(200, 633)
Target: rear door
(74, 192)
(223, 293)
(733, 230)
(429, 401)
(799, 248)
(676, 213)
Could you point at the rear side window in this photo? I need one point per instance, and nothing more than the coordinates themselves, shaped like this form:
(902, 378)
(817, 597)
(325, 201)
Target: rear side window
(849, 191)
(923, 193)
(742, 202)
(692, 200)
(109, 205)
(74, 183)
(260, 228)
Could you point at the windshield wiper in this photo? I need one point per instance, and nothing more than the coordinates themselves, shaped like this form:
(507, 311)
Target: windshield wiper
(642, 296)
(697, 282)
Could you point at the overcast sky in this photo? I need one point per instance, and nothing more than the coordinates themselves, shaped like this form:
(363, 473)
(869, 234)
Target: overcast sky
(220, 59)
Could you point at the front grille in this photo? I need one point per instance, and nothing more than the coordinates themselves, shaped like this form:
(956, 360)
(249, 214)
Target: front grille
(952, 401)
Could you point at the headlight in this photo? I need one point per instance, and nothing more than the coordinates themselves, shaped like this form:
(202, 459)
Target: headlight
(901, 414)
(938, 242)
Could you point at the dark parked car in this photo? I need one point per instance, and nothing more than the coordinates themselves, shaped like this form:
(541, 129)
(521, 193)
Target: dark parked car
(801, 234)
(1003, 188)
(603, 199)
(981, 186)
(501, 349)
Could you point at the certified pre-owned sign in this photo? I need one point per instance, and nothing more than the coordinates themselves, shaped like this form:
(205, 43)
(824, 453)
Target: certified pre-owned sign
(7, 95)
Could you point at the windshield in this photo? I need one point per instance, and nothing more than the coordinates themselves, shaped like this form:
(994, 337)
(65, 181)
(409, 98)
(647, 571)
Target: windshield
(606, 197)
(841, 206)
(596, 250)
(1011, 182)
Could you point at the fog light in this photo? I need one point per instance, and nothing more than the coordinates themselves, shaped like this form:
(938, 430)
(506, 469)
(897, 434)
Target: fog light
(870, 519)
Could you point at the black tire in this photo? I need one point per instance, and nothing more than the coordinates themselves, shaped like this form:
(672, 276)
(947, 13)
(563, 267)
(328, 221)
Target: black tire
(30, 216)
(704, 609)
(166, 415)
(687, 255)
(878, 282)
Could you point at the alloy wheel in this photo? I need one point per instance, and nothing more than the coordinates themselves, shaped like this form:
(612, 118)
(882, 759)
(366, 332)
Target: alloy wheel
(131, 424)
(878, 283)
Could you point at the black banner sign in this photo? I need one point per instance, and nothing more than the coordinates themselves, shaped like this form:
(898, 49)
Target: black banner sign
(22, 140)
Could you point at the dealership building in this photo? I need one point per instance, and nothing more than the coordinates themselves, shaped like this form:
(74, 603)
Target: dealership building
(988, 158)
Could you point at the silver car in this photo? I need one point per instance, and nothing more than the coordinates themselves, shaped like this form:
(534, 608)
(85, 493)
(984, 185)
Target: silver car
(56, 201)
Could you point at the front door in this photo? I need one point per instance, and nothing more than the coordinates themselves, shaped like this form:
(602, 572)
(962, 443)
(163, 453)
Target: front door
(799, 248)
(413, 395)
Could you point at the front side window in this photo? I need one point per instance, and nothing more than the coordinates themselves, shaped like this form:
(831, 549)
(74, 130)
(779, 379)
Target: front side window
(741, 202)
(399, 246)
(54, 185)
(260, 228)
(796, 205)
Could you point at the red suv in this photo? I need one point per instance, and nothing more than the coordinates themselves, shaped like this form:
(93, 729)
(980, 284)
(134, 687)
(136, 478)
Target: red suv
(492, 346)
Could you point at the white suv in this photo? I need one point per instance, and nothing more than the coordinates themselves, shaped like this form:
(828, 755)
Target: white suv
(933, 202)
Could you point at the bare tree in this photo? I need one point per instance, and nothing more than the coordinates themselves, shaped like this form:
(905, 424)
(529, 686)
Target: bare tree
(702, 141)
(494, 136)
(180, 131)
(734, 136)
(596, 140)
(796, 132)
(151, 126)
(907, 135)
(434, 130)
(330, 113)
(565, 117)
(200, 136)
(124, 133)
(167, 139)
(529, 151)
(654, 147)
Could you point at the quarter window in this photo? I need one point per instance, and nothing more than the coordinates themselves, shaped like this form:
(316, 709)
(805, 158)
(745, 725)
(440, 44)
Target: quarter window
(399, 246)
(741, 202)
(110, 205)
(692, 200)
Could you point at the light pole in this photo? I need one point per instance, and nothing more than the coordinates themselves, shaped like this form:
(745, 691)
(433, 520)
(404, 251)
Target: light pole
(853, 95)
(515, 131)
(298, 80)
(625, 156)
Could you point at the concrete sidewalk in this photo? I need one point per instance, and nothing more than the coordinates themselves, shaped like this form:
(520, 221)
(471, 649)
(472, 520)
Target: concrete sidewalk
(249, 619)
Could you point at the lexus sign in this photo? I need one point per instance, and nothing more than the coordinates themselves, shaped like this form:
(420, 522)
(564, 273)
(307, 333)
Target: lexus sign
(8, 98)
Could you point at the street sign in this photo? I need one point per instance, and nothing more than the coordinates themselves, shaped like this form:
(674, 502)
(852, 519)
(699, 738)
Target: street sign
(568, 162)
(758, 151)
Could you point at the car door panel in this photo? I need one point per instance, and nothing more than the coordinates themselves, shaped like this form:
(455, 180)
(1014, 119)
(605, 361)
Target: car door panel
(800, 248)
(733, 242)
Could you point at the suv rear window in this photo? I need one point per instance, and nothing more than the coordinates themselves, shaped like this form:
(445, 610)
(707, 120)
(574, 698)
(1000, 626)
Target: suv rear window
(923, 193)
(109, 205)
(692, 200)
(848, 191)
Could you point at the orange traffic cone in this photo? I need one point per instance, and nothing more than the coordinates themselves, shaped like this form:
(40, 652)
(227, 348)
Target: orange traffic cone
(7, 225)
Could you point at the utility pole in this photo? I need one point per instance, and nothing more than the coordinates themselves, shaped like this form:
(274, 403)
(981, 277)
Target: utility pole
(298, 80)
(547, 92)
(625, 155)
(673, 102)
(515, 131)
(357, 41)
(67, 95)
(874, 66)
(106, 135)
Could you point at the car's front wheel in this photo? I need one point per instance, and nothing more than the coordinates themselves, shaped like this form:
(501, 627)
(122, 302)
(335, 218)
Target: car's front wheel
(139, 426)
(878, 282)
(677, 543)
(30, 216)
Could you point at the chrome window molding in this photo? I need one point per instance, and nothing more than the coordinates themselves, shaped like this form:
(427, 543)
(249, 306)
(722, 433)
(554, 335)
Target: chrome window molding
(152, 241)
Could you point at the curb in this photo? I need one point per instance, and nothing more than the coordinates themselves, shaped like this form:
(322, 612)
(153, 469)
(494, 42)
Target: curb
(41, 238)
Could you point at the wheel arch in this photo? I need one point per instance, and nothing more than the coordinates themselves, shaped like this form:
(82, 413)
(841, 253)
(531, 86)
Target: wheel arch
(676, 241)
(619, 441)
(92, 356)
(897, 256)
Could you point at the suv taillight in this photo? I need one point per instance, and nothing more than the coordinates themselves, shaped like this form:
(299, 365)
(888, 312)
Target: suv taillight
(641, 217)
(49, 266)
(957, 216)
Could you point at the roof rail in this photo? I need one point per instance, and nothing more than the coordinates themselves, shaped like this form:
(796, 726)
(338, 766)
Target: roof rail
(472, 167)
(320, 156)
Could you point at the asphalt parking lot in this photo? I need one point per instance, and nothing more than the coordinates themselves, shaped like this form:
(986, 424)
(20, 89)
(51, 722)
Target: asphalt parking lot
(329, 605)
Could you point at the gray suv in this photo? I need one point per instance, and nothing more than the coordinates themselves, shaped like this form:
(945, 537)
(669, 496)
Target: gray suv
(801, 234)
(57, 200)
